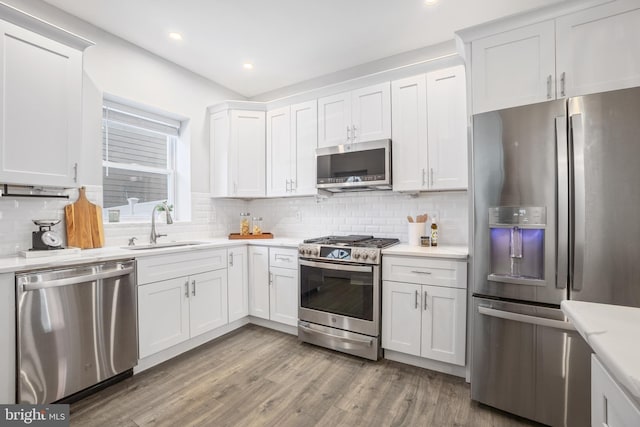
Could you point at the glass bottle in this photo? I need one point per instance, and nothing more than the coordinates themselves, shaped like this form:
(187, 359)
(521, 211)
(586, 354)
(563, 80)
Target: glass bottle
(245, 227)
(434, 233)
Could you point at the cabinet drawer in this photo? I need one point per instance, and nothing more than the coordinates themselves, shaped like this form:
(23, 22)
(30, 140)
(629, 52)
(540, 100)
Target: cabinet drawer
(162, 267)
(425, 271)
(283, 258)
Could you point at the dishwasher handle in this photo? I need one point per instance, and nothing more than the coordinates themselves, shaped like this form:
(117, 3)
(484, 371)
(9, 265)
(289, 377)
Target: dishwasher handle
(77, 279)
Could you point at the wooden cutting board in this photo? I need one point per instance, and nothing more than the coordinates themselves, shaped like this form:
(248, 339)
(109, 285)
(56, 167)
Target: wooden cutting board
(84, 223)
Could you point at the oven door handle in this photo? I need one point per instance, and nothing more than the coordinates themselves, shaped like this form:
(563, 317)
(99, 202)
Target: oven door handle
(337, 267)
(308, 330)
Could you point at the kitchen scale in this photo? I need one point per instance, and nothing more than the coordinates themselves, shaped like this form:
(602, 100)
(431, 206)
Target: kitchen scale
(45, 239)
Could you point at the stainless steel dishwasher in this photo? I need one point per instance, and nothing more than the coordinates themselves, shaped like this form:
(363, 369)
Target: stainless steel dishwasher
(76, 329)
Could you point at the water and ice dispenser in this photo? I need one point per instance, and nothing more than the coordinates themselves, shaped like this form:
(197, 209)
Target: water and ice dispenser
(517, 242)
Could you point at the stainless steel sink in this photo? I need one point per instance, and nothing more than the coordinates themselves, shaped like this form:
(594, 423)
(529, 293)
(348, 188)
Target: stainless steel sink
(162, 245)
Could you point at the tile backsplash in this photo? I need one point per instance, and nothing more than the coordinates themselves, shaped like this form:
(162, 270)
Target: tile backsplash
(380, 213)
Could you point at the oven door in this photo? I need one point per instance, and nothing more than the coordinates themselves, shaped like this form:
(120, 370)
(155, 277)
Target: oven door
(343, 296)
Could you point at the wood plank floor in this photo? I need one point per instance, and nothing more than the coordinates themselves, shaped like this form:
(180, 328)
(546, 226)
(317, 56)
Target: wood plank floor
(259, 377)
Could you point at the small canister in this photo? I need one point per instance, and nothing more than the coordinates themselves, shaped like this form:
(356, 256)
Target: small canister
(257, 225)
(245, 228)
(425, 241)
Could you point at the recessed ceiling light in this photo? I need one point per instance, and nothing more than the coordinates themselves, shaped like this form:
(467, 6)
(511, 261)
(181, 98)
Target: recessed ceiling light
(430, 2)
(247, 66)
(175, 36)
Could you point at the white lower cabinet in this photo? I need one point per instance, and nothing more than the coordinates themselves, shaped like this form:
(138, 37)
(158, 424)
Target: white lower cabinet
(176, 309)
(610, 405)
(238, 283)
(273, 284)
(425, 320)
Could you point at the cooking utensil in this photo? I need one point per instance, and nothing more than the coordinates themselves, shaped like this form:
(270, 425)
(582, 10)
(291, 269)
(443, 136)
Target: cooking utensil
(84, 223)
(409, 218)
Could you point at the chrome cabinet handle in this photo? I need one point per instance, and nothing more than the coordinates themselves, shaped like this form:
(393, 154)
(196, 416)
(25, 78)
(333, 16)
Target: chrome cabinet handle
(353, 133)
(425, 301)
(186, 289)
(420, 272)
(75, 172)
(417, 299)
(348, 133)
(288, 185)
(431, 176)
(231, 259)
(193, 292)
(270, 278)
(235, 188)
(549, 86)
(294, 185)
(424, 179)
(283, 258)
(562, 83)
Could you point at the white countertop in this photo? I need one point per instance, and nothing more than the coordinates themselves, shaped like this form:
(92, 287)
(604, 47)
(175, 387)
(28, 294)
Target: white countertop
(455, 252)
(15, 263)
(612, 331)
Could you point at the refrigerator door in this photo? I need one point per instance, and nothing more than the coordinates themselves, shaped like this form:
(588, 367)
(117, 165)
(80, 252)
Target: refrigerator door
(527, 360)
(604, 137)
(516, 156)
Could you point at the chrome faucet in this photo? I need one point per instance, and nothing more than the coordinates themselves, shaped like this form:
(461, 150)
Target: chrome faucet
(154, 235)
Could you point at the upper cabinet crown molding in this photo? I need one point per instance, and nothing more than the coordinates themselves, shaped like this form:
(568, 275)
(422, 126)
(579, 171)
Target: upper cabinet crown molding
(44, 28)
(237, 105)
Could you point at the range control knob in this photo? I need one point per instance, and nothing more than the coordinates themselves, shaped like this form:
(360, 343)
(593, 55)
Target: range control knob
(315, 252)
(373, 256)
(301, 251)
(365, 255)
(356, 255)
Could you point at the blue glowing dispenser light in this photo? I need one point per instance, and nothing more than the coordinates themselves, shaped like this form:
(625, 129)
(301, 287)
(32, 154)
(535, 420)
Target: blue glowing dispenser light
(517, 241)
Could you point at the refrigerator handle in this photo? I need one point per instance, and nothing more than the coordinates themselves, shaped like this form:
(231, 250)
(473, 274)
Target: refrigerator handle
(562, 249)
(526, 318)
(577, 201)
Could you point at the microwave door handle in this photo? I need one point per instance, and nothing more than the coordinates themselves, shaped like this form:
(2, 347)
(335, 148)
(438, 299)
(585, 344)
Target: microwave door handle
(337, 267)
(562, 248)
(577, 202)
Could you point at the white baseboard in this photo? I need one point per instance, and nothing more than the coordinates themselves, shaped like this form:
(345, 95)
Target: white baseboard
(433, 365)
(287, 329)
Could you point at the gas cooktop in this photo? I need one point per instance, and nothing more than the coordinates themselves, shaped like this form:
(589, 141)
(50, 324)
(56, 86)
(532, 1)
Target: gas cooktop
(346, 249)
(356, 241)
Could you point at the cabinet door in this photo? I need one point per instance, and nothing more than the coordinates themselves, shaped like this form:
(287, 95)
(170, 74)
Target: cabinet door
(279, 153)
(409, 102)
(238, 283)
(514, 68)
(248, 153)
(41, 109)
(610, 406)
(371, 113)
(444, 324)
(304, 141)
(207, 301)
(447, 117)
(598, 49)
(221, 183)
(401, 317)
(284, 295)
(259, 281)
(334, 120)
(163, 315)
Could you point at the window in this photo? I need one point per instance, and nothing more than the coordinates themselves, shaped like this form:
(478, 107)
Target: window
(138, 160)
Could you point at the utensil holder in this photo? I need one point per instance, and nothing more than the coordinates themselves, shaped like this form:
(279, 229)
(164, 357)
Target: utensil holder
(415, 230)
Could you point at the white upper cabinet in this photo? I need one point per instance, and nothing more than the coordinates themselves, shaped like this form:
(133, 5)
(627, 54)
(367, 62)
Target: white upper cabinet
(586, 51)
(292, 139)
(356, 116)
(304, 141)
(40, 108)
(280, 160)
(514, 68)
(237, 139)
(598, 49)
(409, 136)
(430, 131)
(447, 129)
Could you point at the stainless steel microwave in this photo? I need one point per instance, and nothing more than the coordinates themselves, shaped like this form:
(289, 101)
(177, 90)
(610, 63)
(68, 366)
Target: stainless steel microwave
(355, 167)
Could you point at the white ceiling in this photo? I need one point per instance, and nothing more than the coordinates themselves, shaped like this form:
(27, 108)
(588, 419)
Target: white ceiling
(288, 41)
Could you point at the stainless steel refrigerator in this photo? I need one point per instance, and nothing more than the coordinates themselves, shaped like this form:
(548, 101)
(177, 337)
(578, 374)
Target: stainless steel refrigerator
(556, 189)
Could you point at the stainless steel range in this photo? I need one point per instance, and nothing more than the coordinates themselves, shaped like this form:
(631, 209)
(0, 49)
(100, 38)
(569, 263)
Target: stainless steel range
(340, 291)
